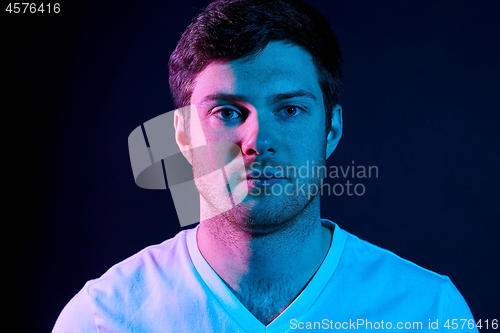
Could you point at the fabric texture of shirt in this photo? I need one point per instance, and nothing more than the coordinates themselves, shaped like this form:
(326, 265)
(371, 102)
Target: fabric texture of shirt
(170, 287)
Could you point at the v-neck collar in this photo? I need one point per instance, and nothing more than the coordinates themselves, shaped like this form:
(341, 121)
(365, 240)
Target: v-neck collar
(240, 314)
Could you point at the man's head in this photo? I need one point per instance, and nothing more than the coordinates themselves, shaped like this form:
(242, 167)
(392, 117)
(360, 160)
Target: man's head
(264, 76)
(232, 29)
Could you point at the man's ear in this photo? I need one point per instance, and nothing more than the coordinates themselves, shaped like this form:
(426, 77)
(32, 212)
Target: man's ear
(335, 133)
(181, 137)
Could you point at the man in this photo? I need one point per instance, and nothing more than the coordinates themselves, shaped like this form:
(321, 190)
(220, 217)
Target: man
(263, 77)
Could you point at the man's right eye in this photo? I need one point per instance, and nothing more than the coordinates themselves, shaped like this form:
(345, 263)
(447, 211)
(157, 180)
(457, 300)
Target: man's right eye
(226, 113)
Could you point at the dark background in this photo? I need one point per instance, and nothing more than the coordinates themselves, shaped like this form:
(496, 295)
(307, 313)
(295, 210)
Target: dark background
(420, 102)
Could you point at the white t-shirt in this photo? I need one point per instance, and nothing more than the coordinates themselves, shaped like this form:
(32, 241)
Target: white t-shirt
(170, 287)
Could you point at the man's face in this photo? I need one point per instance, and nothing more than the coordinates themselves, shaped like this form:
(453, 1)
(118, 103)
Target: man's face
(271, 106)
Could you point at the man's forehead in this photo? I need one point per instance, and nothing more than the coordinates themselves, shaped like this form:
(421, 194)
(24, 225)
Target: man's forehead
(279, 68)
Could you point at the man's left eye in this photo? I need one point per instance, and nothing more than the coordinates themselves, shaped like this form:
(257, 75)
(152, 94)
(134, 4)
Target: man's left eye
(227, 113)
(291, 111)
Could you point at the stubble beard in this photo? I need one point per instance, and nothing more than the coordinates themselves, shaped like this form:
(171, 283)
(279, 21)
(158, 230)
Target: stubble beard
(265, 213)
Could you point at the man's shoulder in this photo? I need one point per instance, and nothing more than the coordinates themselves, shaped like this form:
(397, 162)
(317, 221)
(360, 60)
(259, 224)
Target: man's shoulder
(150, 261)
(128, 288)
(375, 277)
(366, 255)
(128, 293)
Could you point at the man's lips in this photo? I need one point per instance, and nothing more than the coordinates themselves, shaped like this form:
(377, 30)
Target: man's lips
(262, 175)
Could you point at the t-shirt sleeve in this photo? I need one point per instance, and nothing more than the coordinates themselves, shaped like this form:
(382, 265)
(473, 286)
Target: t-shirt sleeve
(455, 310)
(77, 316)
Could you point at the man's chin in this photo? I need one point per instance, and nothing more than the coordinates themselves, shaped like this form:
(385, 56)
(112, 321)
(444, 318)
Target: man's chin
(255, 207)
(261, 215)
(260, 221)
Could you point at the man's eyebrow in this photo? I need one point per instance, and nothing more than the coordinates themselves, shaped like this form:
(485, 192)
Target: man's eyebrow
(222, 97)
(296, 93)
(273, 98)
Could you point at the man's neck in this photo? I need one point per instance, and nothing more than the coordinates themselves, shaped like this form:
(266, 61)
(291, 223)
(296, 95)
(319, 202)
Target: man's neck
(266, 272)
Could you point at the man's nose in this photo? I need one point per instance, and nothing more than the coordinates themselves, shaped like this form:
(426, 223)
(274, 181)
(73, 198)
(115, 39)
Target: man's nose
(258, 136)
